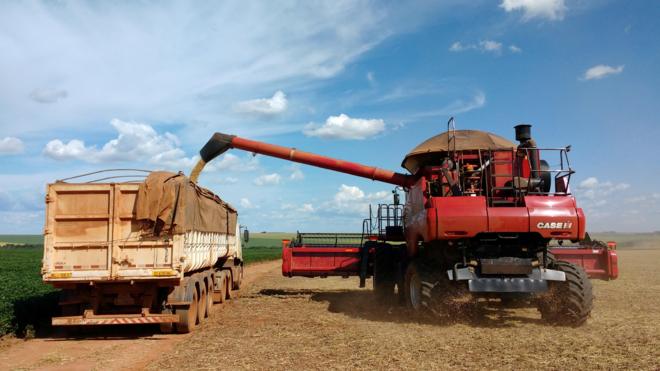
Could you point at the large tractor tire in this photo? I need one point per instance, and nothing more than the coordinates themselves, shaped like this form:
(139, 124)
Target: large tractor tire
(568, 303)
(412, 287)
(384, 274)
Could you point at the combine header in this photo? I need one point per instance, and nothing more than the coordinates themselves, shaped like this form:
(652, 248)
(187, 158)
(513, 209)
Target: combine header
(479, 215)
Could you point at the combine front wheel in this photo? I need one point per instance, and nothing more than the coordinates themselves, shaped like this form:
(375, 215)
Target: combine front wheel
(384, 277)
(568, 302)
(412, 287)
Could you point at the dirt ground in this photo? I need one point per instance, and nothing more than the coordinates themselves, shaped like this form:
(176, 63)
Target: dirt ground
(281, 323)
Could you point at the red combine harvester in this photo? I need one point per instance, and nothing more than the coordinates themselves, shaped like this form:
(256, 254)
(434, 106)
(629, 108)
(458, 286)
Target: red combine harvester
(479, 216)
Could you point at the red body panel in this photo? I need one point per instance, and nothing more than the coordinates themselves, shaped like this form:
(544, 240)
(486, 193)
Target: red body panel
(508, 219)
(553, 217)
(598, 263)
(465, 217)
(341, 261)
(456, 217)
(320, 261)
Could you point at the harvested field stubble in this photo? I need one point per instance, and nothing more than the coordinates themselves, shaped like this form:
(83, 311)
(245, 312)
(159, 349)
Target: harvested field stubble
(302, 323)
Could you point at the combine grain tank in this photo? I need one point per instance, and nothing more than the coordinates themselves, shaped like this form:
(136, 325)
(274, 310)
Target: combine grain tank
(160, 251)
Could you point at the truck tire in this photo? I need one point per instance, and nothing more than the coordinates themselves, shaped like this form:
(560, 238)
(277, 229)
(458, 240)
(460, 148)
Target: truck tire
(568, 303)
(188, 316)
(236, 284)
(412, 287)
(201, 307)
(209, 296)
(384, 273)
(166, 328)
(220, 288)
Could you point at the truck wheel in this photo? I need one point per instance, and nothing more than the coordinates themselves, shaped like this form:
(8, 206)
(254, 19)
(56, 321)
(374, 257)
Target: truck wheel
(209, 297)
(384, 275)
(225, 286)
(412, 287)
(201, 308)
(229, 284)
(236, 284)
(188, 317)
(166, 328)
(568, 303)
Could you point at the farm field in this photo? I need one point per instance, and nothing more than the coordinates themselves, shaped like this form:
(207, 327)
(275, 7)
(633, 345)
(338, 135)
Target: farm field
(330, 323)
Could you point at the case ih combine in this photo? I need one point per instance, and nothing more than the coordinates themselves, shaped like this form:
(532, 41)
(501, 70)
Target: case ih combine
(479, 216)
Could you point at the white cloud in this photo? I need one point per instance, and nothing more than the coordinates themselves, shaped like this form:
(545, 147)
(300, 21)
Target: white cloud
(548, 9)
(490, 46)
(246, 204)
(135, 142)
(477, 101)
(484, 46)
(231, 162)
(306, 208)
(111, 57)
(296, 172)
(268, 179)
(595, 191)
(371, 77)
(600, 71)
(264, 106)
(353, 200)
(11, 146)
(345, 127)
(48, 95)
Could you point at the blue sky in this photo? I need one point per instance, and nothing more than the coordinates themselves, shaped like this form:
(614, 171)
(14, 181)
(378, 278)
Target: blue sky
(87, 86)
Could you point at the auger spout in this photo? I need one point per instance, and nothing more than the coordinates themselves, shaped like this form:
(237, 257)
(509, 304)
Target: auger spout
(220, 143)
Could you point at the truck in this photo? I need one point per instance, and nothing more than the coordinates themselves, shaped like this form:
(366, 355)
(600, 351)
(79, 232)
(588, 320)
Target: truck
(479, 217)
(158, 251)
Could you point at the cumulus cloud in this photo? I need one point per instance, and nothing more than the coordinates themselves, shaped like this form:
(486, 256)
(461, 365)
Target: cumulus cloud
(11, 146)
(264, 106)
(345, 127)
(135, 141)
(515, 49)
(353, 200)
(48, 95)
(268, 179)
(549, 9)
(600, 71)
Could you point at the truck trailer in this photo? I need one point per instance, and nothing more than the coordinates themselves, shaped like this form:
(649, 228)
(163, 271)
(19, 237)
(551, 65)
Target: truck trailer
(159, 251)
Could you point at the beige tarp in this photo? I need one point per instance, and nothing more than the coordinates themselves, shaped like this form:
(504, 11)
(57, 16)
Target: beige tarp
(464, 140)
(169, 202)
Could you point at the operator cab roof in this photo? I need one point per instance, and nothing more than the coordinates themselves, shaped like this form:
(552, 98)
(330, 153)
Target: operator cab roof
(465, 140)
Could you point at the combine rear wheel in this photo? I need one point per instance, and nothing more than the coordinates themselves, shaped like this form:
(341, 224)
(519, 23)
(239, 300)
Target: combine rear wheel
(568, 302)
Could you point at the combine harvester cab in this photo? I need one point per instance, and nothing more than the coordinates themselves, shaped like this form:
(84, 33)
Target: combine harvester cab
(162, 250)
(480, 213)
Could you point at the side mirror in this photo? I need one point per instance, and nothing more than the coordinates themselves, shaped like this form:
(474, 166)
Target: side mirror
(246, 235)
